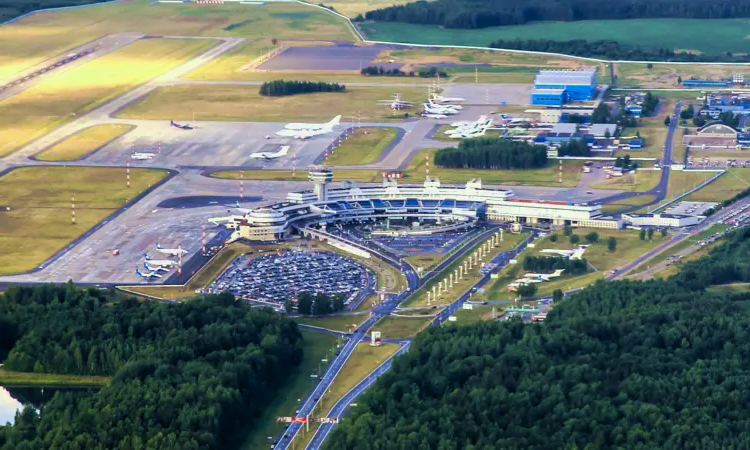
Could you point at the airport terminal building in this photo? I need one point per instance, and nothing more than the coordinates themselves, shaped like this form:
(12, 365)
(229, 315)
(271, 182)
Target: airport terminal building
(460, 206)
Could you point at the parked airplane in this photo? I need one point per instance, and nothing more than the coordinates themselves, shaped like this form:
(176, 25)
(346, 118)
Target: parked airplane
(269, 155)
(435, 116)
(440, 98)
(468, 134)
(396, 103)
(157, 269)
(466, 123)
(437, 105)
(161, 262)
(304, 134)
(142, 156)
(544, 276)
(148, 276)
(187, 126)
(313, 126)
(170, 251)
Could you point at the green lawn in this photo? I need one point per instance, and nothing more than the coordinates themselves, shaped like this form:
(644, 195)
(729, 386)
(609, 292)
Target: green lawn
(335, 323)
(726, 186)
(682, 181)
(727, 35)
(363, 146)
(629, 247)
(38, 221)
(392, 327)
(84, 142)
(635, 201)
(10, 378)
(478, 313)
(244, 103)
(316, 347)
(56, 100)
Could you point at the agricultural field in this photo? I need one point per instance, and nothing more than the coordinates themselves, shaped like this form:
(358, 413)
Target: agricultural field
(58, 99)
(37, 222)
(84, 142)
(46, 34)
(244, 103)
(629, 247)
(727, 35)
(363, 146)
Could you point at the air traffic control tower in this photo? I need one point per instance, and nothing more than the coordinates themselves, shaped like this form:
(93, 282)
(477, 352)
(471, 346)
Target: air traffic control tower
(321, 178)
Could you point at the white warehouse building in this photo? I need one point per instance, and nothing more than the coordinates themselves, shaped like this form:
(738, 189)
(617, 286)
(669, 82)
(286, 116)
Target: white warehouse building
(462, 205)
(662, 220)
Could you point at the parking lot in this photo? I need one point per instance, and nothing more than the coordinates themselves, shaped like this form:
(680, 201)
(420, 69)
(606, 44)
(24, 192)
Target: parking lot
(435, 243)
(278, 276)
(690, 208)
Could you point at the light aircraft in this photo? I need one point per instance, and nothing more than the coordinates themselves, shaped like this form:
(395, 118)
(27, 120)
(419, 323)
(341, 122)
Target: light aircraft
(187, 126)
(304, 134)
(157, 269)
(313, 126)
(142, 156)
(544, 276)
(161, 262)
(268, 155)
(148, 276)
(170, 251)
(396, 103)
(440, 98)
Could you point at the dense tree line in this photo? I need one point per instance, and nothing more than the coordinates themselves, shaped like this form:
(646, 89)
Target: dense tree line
(489, 13)
(278, 88)
(613, 50)
(548, 264)
(316, 304)
(14, 8)
(383, 72)
(650, 102)
(662, 364)
(187, 375)
(492, 153)
(574, 147)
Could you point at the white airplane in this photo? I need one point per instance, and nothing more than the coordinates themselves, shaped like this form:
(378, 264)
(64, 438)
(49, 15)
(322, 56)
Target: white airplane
(430, 110)
(155, 269)
(160, 262)
(435, 116)
(544, 276)
(440, 98)
(396, 103)
(468, 134)
(138, 155)
(304, 134)
(437, 105)
(470, 129)
(268, 155)
(148, 276)
(469, 124)
(170, 251)
(313, 126)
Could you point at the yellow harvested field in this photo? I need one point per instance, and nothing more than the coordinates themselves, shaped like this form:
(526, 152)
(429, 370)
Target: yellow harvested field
(56, 100)
(35, 216)
(84, 142)
(244, 103)
(45, 35)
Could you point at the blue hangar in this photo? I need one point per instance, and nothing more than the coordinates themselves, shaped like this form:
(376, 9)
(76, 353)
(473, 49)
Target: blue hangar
(557, 87)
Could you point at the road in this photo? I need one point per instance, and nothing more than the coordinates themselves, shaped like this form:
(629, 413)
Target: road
(660, 190)
(340, 408)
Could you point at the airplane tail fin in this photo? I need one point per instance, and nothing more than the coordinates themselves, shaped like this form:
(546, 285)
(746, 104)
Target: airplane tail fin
(237, 204)
(335, 121)
(138, 272)
(157, 245)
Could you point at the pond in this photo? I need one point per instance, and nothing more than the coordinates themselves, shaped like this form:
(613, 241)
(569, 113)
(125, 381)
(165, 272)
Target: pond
(13, 399)
(8, 407)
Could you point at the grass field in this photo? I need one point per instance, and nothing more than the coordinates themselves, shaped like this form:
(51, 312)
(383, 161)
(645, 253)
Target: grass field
(38, 223)
(84, 142)
(640, 181)
(336, 323)
(201, 279)
(10, 378)
(363, 146)
(316, 347)
(416, 169)
(478, 313)
(629, 246)
(419, 297)
(58, 99)
(243, 103)
(665, 75)
(635, 201)
(392, 327)
(727, 35)
(726, 186)
(45, 35)
(682, 181)
(732, 288)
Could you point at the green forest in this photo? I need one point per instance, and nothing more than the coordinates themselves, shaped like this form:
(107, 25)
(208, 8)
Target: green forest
(492, 153)
(186, 376)
(280, 88)
(661, 364)
(489, 13)
(14, 8)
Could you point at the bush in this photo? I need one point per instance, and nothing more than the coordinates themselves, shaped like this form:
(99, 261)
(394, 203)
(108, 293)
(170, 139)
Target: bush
(574, 239)
(592, 237)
